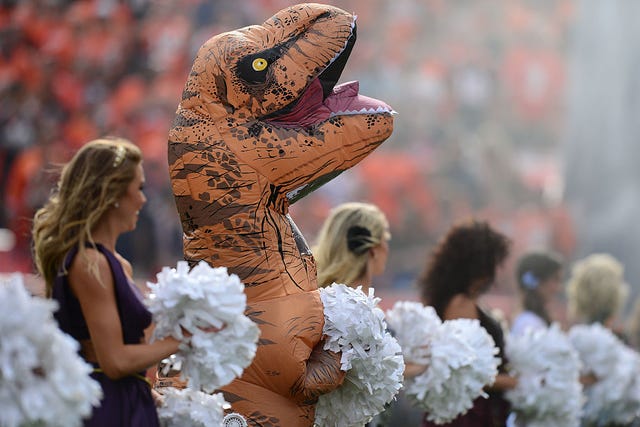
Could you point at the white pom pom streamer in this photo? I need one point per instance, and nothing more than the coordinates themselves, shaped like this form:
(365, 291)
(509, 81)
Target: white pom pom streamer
(414, 326)
(196, 301)
(355, 326)
(191, 408)
(549, 393)
(615, 397)
(460, 355)
(42, 378)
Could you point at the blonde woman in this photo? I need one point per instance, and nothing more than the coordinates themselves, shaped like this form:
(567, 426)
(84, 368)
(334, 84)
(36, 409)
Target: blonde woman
(352, 246)
(98, 197)
(596, 290)
(352, 249)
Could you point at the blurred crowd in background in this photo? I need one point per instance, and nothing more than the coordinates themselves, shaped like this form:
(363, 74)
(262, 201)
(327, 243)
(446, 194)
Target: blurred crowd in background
(478, 86)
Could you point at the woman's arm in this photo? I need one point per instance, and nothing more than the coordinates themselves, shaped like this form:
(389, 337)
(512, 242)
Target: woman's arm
(503, 382)
(100, 311)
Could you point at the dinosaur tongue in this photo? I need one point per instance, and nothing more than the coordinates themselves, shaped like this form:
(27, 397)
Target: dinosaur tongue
(344, 100)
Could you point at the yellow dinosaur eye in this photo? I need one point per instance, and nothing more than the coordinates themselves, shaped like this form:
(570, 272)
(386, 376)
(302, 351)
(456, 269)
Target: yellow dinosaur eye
(259, 64)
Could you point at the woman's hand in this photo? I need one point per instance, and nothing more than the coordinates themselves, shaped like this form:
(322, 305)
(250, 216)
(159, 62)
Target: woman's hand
(504, 382)
(588, 379)
(158, 398)
(413, 369)
(188, 334)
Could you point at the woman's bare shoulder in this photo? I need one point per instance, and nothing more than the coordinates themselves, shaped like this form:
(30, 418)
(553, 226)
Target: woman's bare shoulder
(91, 269)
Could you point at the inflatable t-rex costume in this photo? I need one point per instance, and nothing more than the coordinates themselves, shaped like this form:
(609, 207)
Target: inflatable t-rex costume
(259, 126)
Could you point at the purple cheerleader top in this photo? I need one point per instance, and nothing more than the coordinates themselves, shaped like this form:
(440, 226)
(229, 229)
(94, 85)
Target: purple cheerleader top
(126, 401)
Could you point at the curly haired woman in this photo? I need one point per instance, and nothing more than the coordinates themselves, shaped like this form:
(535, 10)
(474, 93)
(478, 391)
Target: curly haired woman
(459, 271)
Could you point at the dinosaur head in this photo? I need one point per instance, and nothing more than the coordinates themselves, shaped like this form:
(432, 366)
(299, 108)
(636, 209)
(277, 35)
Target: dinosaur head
(282, 69)
(273, 86)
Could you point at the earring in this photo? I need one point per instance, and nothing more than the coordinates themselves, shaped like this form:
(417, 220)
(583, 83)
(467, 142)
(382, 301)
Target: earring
(116, 205)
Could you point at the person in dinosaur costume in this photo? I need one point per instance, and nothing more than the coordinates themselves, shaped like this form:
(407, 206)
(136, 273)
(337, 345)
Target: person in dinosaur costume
(262, 123)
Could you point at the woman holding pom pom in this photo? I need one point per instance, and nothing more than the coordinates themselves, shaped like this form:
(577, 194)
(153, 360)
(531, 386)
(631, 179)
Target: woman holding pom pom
(460, 270)
(98, 197)
(352, 249)
(539, 276)
(596, 292)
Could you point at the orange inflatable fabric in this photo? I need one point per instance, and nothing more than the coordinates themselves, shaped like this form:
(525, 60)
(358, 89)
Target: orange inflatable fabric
(262, 123)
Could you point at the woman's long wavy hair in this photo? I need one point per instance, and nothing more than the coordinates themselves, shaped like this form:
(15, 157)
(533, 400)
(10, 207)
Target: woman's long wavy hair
(533, 269)
(470, 251)
(89, 185)
(342, 248)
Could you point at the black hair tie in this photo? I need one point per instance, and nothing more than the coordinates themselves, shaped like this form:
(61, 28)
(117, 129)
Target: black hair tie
(358, 239)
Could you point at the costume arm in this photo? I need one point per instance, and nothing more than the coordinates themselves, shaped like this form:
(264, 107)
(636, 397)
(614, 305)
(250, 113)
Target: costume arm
(323, 374)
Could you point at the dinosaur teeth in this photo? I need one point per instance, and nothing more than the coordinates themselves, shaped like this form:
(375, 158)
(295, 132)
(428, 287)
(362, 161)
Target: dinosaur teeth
(378, 110)
(346, 42)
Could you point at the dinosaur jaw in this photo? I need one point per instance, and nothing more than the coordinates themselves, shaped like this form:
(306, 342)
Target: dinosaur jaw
(312, 108)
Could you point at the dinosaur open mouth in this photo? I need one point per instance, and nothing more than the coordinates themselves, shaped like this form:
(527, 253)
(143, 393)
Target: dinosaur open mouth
(322, 99)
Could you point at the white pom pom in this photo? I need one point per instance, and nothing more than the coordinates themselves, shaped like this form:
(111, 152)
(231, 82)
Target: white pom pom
(355, 326)
(549, 392)
(414, 326)
(460, 355)
(198, 300)
(615, 397)
(191, 408)
(42, 378)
